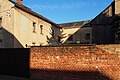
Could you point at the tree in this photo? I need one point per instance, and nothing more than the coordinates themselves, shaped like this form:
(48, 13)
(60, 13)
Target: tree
(116, 26)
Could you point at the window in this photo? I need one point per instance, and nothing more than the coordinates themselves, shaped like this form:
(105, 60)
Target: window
(53, 33)
(0, 7)
(0, 40)
(41, 29)
(70, 38)
(0, 43)
(33, 44)
(59, 39)
(87, 37)
(0, 22)
(34, 27)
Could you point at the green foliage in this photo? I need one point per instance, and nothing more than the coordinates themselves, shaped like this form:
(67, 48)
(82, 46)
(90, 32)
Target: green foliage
(116, 25)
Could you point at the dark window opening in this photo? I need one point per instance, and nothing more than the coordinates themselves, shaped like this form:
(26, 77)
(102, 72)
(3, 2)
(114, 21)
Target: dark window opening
(33, 43)
(0, 22)
(0, 7)
(0, 40)
(87, 37)
(34, 27)
(59, 39)
(53, 33)
(41, 29)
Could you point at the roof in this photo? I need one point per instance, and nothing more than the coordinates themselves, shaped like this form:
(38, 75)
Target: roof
(28, 10)
(74, 24)
(102, 11)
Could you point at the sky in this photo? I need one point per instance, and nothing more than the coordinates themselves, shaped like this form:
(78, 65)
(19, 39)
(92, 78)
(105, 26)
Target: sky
(63, 11)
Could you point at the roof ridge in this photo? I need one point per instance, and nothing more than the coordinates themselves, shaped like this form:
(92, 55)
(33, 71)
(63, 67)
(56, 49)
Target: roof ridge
(28, 10)
(74, 22)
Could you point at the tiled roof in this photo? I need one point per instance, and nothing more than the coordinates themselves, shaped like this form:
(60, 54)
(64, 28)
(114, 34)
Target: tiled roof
(28, 10)
(74, 24)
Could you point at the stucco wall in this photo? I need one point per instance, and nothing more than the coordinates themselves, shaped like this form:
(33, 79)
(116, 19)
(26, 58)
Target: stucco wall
(24, 29)
(67, 32)
(18, 28)
(7, 28)
(80, 35)
(117, 7)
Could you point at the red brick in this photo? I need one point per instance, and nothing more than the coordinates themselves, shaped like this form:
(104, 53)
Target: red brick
(75, 58)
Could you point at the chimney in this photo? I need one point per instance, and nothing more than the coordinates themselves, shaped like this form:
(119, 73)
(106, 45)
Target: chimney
(19, 2)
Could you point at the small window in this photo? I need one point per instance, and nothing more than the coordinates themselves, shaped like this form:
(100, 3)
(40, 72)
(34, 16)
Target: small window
(87, 37)
(0, 43)
(33, 44)
(0, 7)
(41, 29)
(34, 27)
(53, 33)
(0, 22)
(70, 38)
(0, 40)
(59, 39)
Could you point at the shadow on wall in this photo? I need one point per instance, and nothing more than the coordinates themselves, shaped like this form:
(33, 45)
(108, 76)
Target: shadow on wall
(77, 35)
(67, 75)
(54, 38)
(15, 62)
(8, 40)
(116, 26)
(103, 32)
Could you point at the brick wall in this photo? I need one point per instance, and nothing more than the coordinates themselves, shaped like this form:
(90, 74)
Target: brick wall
(74, 63)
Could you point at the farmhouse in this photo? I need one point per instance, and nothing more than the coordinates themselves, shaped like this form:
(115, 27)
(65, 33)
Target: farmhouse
(21, 27)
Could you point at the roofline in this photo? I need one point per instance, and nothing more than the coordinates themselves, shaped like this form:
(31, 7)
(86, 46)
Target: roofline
(73, 22)
(102, 11)
(34, 13)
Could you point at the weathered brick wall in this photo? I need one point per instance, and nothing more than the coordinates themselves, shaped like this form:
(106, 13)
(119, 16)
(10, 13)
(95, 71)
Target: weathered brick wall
(110, 48)
(59, 61)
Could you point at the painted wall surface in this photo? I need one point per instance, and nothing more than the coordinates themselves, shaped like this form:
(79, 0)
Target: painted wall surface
(7, 27)
(117, 7)
(78, 35)
(18, 28)
(24, 29)
(67, 32)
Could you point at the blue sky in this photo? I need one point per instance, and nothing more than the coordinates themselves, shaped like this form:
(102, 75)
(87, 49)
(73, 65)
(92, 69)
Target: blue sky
(62, 11)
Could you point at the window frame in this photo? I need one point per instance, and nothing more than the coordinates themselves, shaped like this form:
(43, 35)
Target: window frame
(34, 27)
(87, 36)
(53, 33)
(41, 29)
(0, 22)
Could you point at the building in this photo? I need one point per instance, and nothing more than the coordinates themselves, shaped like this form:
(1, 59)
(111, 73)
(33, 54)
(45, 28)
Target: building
(100, 30)
(21, 27)
(103, 30)
(76, 33)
